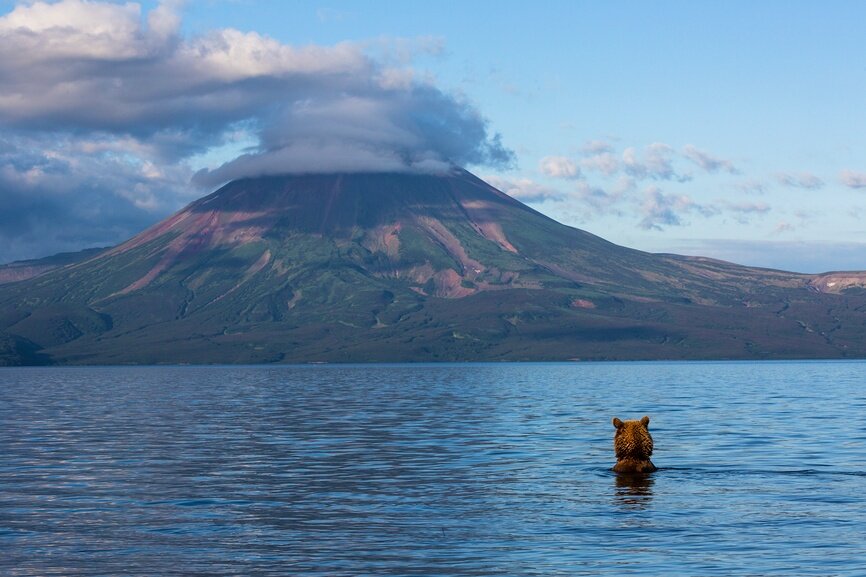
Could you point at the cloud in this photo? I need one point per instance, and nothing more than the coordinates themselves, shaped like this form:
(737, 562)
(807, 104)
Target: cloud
(748, 207)
(656, 163)
(708, 162)
(594, 147)
(604, 162)
(853, 179)
(81, 31)
(524, 189)
(416, 129)
(112, 94)
(56, 199)
(803, 180)
(784, 226)
(559, 167)
(743, 211)
(624, 184)
(599, 200)
(751, 186)
(660, 210)
(98, 66)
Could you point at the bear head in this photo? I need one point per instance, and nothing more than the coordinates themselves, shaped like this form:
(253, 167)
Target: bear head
(633, 446)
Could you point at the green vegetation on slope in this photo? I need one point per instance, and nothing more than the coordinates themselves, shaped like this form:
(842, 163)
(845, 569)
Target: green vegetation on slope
(367, 268)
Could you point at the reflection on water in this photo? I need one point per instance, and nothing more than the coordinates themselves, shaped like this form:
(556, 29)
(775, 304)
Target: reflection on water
(431, 470)
(634, 490)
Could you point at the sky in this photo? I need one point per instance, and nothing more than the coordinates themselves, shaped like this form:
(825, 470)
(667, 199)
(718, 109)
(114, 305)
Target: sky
(733, 130)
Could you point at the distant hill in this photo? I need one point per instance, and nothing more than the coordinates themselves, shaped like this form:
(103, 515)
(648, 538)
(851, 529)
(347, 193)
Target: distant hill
(399, 267)
(24, 269)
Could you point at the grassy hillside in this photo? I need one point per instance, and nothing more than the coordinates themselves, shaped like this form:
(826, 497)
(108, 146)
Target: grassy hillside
(377, 267)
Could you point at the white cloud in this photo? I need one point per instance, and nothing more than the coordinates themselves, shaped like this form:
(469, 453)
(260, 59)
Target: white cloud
(78, 29)
(101, 67)
(605, 162)
(656, 163)
(853, 179)
(104, 106)
(708, 162)
(624, 184)
(524, 189)
(559, 167)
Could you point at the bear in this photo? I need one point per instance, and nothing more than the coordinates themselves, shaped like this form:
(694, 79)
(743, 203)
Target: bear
(633, 446)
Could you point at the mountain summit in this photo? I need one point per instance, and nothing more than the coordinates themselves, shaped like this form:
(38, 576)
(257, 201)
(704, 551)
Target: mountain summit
(408, 267)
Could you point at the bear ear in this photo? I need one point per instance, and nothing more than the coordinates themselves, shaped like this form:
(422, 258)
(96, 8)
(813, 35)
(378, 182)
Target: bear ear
(645, 421)
(617, 423)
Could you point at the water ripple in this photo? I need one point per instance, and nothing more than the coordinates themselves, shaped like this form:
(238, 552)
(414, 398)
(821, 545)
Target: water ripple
(431, 470)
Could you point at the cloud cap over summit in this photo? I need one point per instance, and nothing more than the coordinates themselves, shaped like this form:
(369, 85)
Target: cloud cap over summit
(412, 128)
(91, 88)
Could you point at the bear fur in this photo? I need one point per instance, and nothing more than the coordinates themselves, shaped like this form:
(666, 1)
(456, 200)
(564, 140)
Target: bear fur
(633, 446)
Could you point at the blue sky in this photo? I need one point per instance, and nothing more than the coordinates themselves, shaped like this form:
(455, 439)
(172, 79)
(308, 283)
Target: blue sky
(734, 130)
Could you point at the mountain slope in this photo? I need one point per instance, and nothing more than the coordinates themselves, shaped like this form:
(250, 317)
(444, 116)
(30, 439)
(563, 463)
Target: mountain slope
(393, 267)
(24, 269)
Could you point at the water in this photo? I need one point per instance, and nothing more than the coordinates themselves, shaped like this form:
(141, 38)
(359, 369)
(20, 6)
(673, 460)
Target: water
(432, 470)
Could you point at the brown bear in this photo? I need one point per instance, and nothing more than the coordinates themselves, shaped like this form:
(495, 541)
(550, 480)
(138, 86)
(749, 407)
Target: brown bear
(633, 445)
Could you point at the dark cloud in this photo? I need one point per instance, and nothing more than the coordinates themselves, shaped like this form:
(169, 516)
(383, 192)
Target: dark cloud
(56, 199)
(103, 109)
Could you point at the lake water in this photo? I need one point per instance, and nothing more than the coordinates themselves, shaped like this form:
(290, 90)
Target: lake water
(494, 469)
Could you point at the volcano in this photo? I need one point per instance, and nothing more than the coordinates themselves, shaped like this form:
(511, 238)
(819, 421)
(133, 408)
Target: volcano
(408, 267)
